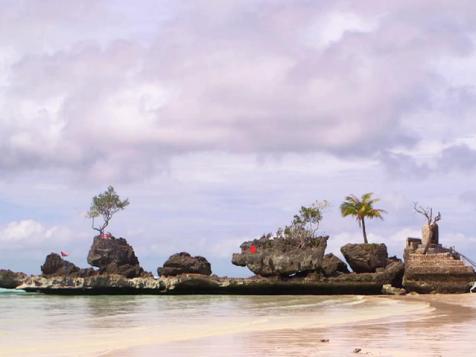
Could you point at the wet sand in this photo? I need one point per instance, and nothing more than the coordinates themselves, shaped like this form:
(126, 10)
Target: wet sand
(445, 328)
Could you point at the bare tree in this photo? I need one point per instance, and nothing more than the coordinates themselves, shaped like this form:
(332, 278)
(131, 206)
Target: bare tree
(431, 222)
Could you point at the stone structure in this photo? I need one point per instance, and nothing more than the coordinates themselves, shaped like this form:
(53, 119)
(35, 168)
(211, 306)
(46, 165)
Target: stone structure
(430, 232)
(183, 263)
(114, 256)
(281, 256)
(365, 258)
(440, 270)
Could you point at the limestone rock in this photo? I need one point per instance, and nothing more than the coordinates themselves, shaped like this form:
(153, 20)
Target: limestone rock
(10, 279)
(281, 256)
(388, 289)
(332, 265)
(365, 258)
(114, 256)
(182, 263)
(56, 265)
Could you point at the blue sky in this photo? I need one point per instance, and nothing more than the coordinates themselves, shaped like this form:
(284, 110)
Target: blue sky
(219, 119)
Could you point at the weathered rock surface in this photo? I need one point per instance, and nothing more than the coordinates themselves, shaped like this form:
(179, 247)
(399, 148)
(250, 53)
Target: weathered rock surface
(281, 256)
(365, 258)
(388, 289)
(182, 263)
(365, 283)
(114, 256)
(10, 279)
(56, 265)
(332, 265)
(440, 271)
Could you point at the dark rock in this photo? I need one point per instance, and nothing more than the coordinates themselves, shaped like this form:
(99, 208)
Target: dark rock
(55, 265)
(332, 265)
(10, 279)
(365, 258)
(183, 263)
(114, 256)
(281, 256)
(357, 350)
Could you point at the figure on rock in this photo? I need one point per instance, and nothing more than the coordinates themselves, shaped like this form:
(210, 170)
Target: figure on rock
(430, 231)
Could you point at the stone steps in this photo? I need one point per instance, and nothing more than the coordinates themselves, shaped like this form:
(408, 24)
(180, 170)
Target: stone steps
(442, 269)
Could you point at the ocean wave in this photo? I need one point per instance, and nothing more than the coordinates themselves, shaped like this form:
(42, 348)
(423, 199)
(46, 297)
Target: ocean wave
(12, 292)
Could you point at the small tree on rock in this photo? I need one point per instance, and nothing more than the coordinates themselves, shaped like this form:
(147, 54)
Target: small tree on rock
(306, 222)
(105, 205)
(361, 208)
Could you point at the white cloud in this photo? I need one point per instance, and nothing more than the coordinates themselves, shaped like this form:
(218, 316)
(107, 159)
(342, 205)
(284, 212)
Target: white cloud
(30, 233)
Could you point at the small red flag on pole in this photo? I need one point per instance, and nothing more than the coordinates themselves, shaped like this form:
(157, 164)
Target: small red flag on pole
(252, 249)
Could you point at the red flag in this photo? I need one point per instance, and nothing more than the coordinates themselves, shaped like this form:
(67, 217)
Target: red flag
(252, 249)
(64, 254)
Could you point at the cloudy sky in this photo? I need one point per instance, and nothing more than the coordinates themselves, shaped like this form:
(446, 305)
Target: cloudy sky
(218, 119)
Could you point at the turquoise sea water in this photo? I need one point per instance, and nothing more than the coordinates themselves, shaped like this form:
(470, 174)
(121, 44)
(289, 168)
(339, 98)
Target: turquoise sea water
(128, 325)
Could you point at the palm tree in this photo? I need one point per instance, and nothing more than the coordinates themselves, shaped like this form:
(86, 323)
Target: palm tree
(361, 208)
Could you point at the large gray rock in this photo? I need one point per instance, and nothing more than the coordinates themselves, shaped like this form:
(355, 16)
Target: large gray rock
(114, 256)
(184, 263)
(281, 256)
(10, 279)
(55, 265)
(332, 265)
(365, 258)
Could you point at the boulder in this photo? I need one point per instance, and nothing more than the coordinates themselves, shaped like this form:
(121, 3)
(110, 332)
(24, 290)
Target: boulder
(281, 256)
(365, 258)
(183, 263)
(388, 289)
(55, 265)
(332, 265)
(10, 279)
(114, 256)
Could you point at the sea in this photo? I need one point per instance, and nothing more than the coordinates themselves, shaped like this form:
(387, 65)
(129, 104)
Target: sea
(33, 324)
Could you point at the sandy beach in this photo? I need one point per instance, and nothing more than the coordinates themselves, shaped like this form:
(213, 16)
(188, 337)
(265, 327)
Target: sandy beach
(424, 325)
(435, 325)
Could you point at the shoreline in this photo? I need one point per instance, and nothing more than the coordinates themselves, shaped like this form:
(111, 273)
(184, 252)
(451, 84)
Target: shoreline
(442, 310)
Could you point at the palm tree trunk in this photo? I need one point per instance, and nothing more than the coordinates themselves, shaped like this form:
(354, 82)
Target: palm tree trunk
(364, 231)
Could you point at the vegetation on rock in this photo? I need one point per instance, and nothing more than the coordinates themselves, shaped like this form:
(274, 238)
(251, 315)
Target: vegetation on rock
(361, 208)
(105, 205)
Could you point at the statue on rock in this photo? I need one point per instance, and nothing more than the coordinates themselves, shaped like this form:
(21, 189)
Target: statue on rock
(430, 230)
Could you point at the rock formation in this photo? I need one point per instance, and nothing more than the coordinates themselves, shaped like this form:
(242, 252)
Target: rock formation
(10, 279)
(182, 263)
(114, 256)
(56, 265)
(365, 258)
(281, 256)
(332, 265)
(440, 270)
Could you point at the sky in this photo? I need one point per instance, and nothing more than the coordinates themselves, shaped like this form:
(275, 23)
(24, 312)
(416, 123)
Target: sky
(219, 119)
